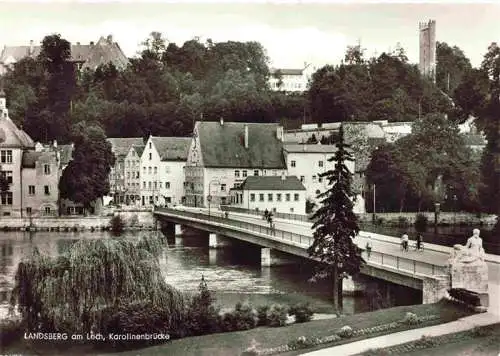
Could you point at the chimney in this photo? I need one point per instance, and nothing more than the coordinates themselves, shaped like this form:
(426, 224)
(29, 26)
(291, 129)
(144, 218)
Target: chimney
(221, 121)
(110, 39)
(279, 133)
(246, 136)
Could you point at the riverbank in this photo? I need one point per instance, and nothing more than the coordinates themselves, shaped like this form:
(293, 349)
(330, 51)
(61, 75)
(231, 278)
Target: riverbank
(134, 220)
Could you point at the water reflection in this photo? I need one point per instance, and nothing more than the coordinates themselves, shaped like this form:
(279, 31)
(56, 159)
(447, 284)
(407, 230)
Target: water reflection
(234, 274)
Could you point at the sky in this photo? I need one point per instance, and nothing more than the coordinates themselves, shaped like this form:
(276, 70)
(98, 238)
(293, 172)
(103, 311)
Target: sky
(291, 32)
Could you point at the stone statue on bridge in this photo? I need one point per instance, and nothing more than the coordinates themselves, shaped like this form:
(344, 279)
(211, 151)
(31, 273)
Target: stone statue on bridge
(467, 266)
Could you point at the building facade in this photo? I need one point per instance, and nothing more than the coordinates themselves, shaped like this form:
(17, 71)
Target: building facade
(427, 62)
(120, 147)
(132, 172)
(162, 170)
(85, 56)
(223, 154)
(290, 80)
(282, 194)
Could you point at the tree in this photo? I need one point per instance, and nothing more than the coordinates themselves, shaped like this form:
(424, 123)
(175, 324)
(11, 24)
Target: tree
(85, 179)
(452, 65)
(335, 225)
(70, 293)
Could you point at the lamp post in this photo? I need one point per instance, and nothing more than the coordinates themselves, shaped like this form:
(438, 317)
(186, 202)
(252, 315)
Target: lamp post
(209, 197)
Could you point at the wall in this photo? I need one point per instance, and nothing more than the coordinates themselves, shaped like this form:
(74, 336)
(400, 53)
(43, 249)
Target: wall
(444, 217)
(173, 173)
(299, 207)
(227, 176)
(37, 177)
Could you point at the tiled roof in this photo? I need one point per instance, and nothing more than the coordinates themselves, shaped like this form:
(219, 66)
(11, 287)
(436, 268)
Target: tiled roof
(286, 71)
(223, 145)
(138, 149)
(172, 148)
(30, 158)
(24, 140)
(272, 183)
(121, 145)
(311, 148)
(92, 55)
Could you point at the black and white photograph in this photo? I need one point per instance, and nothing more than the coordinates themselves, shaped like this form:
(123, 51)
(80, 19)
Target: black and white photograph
(249, 178)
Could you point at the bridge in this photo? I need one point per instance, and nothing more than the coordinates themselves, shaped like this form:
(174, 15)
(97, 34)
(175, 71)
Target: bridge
(418, 271)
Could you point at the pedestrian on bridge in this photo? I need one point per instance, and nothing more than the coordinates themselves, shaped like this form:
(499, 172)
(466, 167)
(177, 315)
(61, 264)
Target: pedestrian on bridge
(420, 239)
(404, 242)
(369, 246)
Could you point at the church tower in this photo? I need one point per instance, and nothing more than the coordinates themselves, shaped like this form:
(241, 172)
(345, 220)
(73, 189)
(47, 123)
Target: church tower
(427, 63)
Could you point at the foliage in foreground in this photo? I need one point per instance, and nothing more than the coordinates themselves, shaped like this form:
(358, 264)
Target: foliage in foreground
(71, 292)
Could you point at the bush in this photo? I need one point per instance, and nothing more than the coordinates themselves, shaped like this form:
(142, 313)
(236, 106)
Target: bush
(421, 222)
(277, 315)
(426, 341)
(117, 225)
(10, 331)
(302, 312)
(346, 332)
(243, 317)
(262, 315)
(410, 319)
(403, 221)
(202, 315)
(252, 350)
(301, 342)
(134, 220)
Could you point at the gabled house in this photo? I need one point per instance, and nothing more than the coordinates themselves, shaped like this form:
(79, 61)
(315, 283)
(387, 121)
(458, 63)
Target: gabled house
(132, 180)
(162, 170)
(223, 154)
(84, 56)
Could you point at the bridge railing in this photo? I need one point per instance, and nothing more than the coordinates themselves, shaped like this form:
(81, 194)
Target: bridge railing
(380, 258)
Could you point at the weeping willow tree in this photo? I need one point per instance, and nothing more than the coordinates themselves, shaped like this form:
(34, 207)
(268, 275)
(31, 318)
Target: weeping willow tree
(71, 292)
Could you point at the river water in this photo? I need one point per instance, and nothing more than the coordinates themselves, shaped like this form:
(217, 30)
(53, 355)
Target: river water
(234, 274)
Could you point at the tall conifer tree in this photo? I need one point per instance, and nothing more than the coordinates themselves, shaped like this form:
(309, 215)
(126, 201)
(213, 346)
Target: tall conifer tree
(336, 225)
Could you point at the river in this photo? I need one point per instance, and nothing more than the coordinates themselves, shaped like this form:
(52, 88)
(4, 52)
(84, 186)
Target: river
(233, 274)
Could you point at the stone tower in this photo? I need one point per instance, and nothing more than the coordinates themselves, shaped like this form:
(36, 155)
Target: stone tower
(427, 63)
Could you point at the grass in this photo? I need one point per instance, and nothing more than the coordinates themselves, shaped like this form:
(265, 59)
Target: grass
(232, 344)
(482, 341)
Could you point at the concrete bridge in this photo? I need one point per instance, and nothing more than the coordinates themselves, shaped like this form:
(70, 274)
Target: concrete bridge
(416, 271)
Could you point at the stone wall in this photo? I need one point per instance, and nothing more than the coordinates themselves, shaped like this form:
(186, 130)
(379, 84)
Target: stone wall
(436, 288)
(133, 219)
(444, 218)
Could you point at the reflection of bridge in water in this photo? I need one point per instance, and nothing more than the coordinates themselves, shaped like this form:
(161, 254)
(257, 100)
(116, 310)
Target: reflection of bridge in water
(426, 272)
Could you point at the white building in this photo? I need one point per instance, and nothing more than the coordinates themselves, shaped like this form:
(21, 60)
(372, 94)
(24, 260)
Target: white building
(290, 80)
(223, 154)
(282, 194)
(162, 170)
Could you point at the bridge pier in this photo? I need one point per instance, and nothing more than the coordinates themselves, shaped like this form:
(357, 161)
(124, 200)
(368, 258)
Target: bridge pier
(353, 286)
(217, 240)
(178, 229)
(270, 257)
(435, 288)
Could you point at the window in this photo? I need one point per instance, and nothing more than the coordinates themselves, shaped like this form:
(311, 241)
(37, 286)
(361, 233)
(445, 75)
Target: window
(137, 175)
(28, 210)
(31, 190)
(7, 198)
(150, 145)
(314, 178)
(317, 191)
(320, 179)
(46, 169)
(167, 169)
(7, 175)
(296, 197)
(150, 156)
(320, 163)
(156, 170)
(144, 170)
(278, 197)
(244, 174)
(149, 185)
(168, 200)
(47, 210)
(256, 172)
(144, 185)
(270, 197)
(161, 185)
(6, 156)
(149, 170)
(261, 197)
(302, 179)
(167, 185)
(237, 174)
(155, 185)
(46, 189)
(252, 197)
(287, 196)
(292, 163)
(291, 210)
(222, 187)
